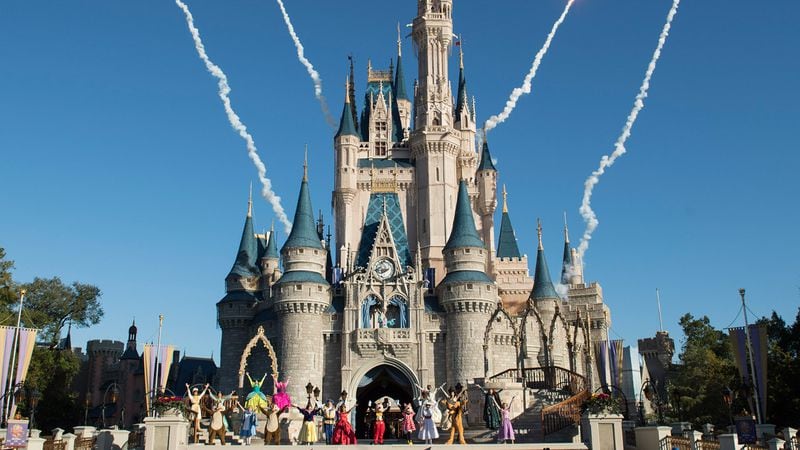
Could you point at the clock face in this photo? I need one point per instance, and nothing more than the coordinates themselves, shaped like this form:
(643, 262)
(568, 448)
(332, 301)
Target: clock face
(384, 269)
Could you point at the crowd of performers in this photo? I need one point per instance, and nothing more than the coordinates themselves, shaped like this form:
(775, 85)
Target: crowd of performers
(422, 418)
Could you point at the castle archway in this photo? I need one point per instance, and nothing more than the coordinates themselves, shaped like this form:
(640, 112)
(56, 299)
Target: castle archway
(388, 379)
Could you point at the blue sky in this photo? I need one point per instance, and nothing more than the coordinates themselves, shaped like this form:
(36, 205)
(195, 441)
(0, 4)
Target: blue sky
(119, 168)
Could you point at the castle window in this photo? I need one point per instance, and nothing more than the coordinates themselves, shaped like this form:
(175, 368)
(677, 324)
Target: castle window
(380, 126)
(319, 288)
(466, 250)
(300, 250)
(298, 287)
(470, 287)
(380, 149)
(437, 174)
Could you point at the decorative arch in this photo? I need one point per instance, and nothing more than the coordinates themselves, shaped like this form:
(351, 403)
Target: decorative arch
(530, 310)
(487, 334)
(259, 337)
(355, 378)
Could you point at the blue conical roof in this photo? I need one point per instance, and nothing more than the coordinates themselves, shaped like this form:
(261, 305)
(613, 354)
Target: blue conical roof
(304, 228)
(272, 246)
(486, 158)
(245, 264)
(346, 125)
(507, 246)
(566, 263)
(400, 81)
(464, 233)
(461, 98)
(542, 285)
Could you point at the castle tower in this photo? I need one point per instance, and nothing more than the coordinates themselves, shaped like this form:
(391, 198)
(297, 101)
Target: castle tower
(302, 296)
(465, 123)
(400, 94)
(235, 309)
(487, 199)
(130, 399)
(545, 300)
(346, 173)
(467, 294)
(511, 267)
(434, 145)
(270, 262)
(571, 270)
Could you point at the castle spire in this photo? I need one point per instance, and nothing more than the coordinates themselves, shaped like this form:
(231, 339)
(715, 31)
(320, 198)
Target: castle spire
(305, 163)
(351, 93)
(304, 229)
(461, 97)
(250, 202)
(542, 284)
(245, 264)
(399, 78)
(272, 244)
(347, 125)
(507, 246)
(464, 233)
(486, 157)
(566, 263)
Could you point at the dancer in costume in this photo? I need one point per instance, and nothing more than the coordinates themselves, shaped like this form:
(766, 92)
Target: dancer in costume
(491, 410)
(308, 432)
(217, 427)
(408, 422)
(194, 400)
(429, 395)
(272, 430)
(249, 424)
(428, 431)
(455, 413)
(343, 433)
(256, 400)
(506, 432)
(281, 398)
(329, 420)
(378, 425)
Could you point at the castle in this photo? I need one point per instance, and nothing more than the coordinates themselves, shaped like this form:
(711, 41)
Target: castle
(419, 293)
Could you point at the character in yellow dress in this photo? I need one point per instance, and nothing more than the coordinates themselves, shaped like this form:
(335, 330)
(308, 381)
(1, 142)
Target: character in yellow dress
(256, 400)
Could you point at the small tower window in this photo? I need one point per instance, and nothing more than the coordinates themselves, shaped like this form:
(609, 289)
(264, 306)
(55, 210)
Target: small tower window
(380, 149)
(470, 286)
(437, 174)
(298, 287)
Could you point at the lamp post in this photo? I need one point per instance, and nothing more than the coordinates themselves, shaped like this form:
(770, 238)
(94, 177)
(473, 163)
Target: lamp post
(34, 397)
(114, 388)
(309, 391)
(650, 392)
(727, 397)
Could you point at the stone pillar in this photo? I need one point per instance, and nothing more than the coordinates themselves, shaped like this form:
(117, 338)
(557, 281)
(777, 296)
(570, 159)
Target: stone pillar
(679, 427)
(728, 442)
(85, 431)
(788, 434)
(765, 432)
(696, 437)
(69, 441)
(111, 439)
(776, 444)
(649, 438)
(166, 433)
(58, 434)
(35, 443)
(603, 432)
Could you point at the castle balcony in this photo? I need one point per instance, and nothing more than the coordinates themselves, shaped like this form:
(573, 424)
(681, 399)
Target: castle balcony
(371, 342)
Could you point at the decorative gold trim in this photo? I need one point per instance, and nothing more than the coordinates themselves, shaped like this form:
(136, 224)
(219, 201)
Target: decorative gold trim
(259, 337)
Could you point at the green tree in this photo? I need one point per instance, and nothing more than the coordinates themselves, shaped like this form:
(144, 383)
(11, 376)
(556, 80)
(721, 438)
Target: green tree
(783, 362)
(706, 367)
(50, 304)
(51, 373)
(7, 290)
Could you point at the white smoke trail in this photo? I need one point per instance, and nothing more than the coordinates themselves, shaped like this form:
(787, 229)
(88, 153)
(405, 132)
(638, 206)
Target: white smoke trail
(309, 67)
(236, 123)
(619, 147)
(511, 103)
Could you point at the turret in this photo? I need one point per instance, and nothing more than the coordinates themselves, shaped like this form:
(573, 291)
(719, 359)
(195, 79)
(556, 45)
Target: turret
(507, 246)
(545, 300)
(400, 94)
(302, 295)
(467, 294)
(570, 268)
(486, 180)
(270, 261)
(346, 145)
(244, 273)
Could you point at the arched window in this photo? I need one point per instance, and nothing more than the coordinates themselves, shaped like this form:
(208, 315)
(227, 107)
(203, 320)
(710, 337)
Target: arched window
(373, 315)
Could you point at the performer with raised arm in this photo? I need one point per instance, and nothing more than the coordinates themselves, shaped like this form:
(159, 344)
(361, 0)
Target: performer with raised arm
(249, 424)
(308, 432)
(281, 398)
(506, 432)
(455, 413)
(194, 406)
(378, 425)
(491, 412)
(343, 433)
(329, 420)
(256, 400)
(408, 422)
(272, 429)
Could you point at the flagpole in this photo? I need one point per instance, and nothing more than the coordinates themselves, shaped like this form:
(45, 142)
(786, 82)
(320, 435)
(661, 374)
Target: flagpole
(660, 320)
(750, 356)
(12, 372)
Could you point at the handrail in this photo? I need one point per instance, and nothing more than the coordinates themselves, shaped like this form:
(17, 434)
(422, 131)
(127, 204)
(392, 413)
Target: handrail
(548, 377)
(563, 414)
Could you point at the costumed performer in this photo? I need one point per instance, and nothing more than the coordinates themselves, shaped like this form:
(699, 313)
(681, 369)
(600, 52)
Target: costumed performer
(491, 410)
(194, 406)
(343, 433)
(378, 425)
(280, 397)
(249, 424)
(308, 432)
(272, 430)
(506, 432)
(428, 431)
(329, 420)
(217, 428)
(256, 400)
(408, 422)
(455, 413)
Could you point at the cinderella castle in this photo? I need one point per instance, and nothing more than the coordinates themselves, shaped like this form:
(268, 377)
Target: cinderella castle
(421, 291)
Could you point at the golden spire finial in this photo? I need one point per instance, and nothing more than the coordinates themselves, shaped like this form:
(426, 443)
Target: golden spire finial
(539, 232)
(250, 201)
(566, 230)
(305, 164)
(505, 199)
(399, 42)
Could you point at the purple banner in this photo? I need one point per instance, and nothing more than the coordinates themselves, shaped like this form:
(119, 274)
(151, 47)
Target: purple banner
(601, 357)
(16, 434)
(758, 339)
(8, 347)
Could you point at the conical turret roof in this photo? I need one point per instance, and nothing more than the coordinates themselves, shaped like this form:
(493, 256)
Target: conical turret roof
(566, 262)
(304, 228)
(486, 158)
(272, 246)
(542, 284)
(507, 245)
(346, 125)
(245, 264)
(464, 233)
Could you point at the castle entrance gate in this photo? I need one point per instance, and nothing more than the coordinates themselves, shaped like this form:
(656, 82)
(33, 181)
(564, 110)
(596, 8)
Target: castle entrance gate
(382, 382)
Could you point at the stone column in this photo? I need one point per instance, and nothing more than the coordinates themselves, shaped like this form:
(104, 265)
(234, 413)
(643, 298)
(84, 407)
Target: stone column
(603, 431)
(728, 442)
(788, 434)
(776, 444)
(35, 443)
(649, 438)
(69, 441)
(85, 431)
(166, 433)
(696, 437)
